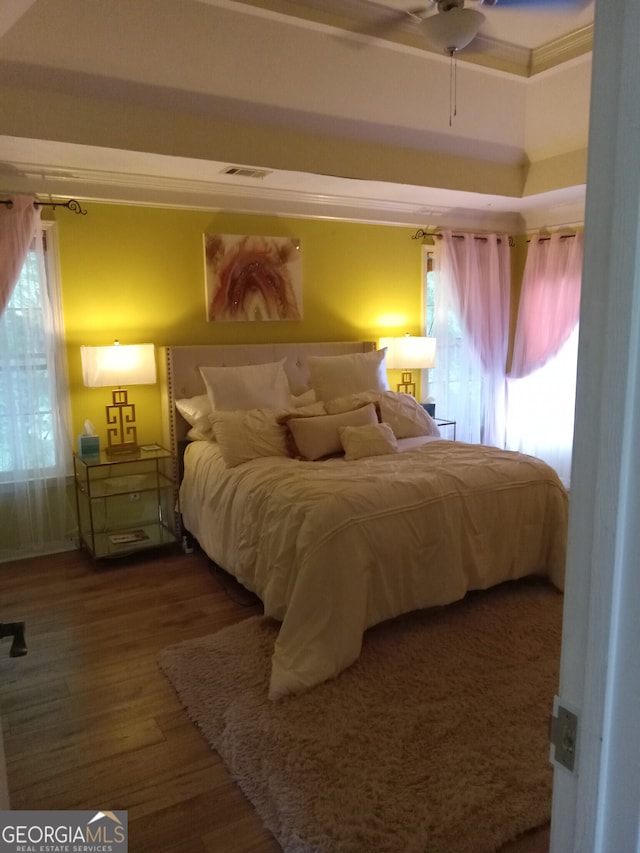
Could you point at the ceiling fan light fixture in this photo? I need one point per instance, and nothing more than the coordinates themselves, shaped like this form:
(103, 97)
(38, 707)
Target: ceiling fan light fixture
(451, 30)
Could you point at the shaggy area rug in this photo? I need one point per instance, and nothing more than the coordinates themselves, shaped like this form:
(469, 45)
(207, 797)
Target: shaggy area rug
(434, 741)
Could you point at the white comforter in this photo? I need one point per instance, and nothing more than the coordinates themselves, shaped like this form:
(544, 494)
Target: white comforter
(335, 547)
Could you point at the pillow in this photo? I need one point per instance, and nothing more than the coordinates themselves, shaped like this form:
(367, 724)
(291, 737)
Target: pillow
(315, 437)
(406, 417)
(196, 411)
(305, 399)
(193, 408)
(249, 386)
(369, 440)
(196, 434)
(248, 434)
(338, 375)
(253, 433)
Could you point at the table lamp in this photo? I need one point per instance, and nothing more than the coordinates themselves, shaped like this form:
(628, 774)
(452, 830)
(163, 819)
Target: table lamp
(407, 353)
(133, 364)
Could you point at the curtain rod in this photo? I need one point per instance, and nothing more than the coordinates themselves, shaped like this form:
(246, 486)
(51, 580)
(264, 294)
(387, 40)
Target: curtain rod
(421, 234)
(562, 237)
(71, 204)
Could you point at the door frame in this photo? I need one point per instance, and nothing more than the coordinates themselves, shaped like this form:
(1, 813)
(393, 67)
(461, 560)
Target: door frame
(596, 808)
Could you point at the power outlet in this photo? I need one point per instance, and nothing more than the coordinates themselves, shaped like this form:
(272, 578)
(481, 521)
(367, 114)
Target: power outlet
(134, 497)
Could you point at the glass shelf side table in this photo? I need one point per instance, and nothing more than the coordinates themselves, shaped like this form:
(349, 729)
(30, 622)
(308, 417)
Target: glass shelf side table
(125, 503)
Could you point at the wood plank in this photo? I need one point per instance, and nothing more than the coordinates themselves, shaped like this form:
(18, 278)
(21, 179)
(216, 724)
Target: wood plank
(77, 750)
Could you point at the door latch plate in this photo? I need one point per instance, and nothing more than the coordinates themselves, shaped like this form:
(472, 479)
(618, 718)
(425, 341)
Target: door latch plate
(563, 735)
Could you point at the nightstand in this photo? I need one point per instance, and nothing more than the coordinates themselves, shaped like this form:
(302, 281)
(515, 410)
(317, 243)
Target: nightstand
(445, 422)
(441, 422)
(125, 503)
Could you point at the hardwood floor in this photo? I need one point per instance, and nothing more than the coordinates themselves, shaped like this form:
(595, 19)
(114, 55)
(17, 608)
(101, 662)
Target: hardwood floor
(89, 720)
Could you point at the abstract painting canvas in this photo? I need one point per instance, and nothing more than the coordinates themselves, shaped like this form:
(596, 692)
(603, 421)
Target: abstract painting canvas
(252, 278)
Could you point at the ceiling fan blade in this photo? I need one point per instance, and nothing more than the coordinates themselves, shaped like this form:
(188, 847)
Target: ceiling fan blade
(548, 5)
(387, 19)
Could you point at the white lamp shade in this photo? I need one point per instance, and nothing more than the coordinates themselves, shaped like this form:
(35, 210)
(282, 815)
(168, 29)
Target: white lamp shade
(409, 352)
(452, 30)
(133, 364)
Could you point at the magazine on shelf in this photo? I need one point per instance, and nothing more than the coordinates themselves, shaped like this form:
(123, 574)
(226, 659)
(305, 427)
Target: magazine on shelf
(129, 537)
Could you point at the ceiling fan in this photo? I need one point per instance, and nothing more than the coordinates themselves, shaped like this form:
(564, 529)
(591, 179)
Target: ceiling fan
(449, 25)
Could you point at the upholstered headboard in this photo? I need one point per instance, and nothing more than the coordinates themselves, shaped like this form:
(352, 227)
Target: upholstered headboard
(180, 377)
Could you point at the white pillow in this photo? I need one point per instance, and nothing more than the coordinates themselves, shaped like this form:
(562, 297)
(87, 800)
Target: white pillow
(196, 434)
(193, 408)
(196, 411)
(249, 386)
(305, 399)
(338, 375)
(249, 434)
(369, 440)
(406, 417)
(316, 437)
(253, 433)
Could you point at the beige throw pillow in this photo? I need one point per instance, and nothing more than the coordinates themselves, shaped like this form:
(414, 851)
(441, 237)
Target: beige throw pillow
(252, 434)
(370, 440)
(337, 375)
(402, 412)
(316, 437)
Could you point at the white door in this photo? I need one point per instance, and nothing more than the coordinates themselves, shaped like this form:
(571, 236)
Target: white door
(598, 807)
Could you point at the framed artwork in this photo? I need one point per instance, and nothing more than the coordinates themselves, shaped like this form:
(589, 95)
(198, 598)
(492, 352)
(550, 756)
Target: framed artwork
(252, 278)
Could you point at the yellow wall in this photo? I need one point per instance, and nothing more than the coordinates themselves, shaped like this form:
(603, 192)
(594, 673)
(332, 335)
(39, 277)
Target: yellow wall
(137, 274)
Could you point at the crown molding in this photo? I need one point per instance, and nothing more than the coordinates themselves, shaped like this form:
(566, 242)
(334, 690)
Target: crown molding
(561, 50)
(498, 56)
(512, 59)
(106, 186)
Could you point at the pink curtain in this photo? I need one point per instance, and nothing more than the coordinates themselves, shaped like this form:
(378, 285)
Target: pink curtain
(18, 227)
(479, 267)
(550, 301)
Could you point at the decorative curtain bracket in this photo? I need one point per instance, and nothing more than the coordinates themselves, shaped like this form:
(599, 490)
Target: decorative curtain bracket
(71, 204)
(421, 234)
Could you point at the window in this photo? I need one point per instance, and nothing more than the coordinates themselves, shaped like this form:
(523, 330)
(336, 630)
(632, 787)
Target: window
(33, 384)
(32, 443)
(542, 385)
(455, 383)
(533, 409)
(36, 503)
(540, 415)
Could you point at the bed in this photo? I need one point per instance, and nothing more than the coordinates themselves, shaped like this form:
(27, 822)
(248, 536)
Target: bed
(334, 543)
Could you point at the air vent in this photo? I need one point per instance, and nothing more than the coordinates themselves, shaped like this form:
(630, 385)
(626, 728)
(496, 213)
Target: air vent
(245, 172)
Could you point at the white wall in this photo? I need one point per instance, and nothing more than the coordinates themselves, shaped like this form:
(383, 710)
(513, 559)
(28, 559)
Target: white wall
(557, 110)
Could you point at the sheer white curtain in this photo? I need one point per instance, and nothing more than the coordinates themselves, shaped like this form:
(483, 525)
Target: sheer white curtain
(542, 382)
(471, 324)
(35, 501)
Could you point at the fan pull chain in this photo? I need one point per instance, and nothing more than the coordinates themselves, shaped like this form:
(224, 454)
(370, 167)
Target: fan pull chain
(453, 84)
